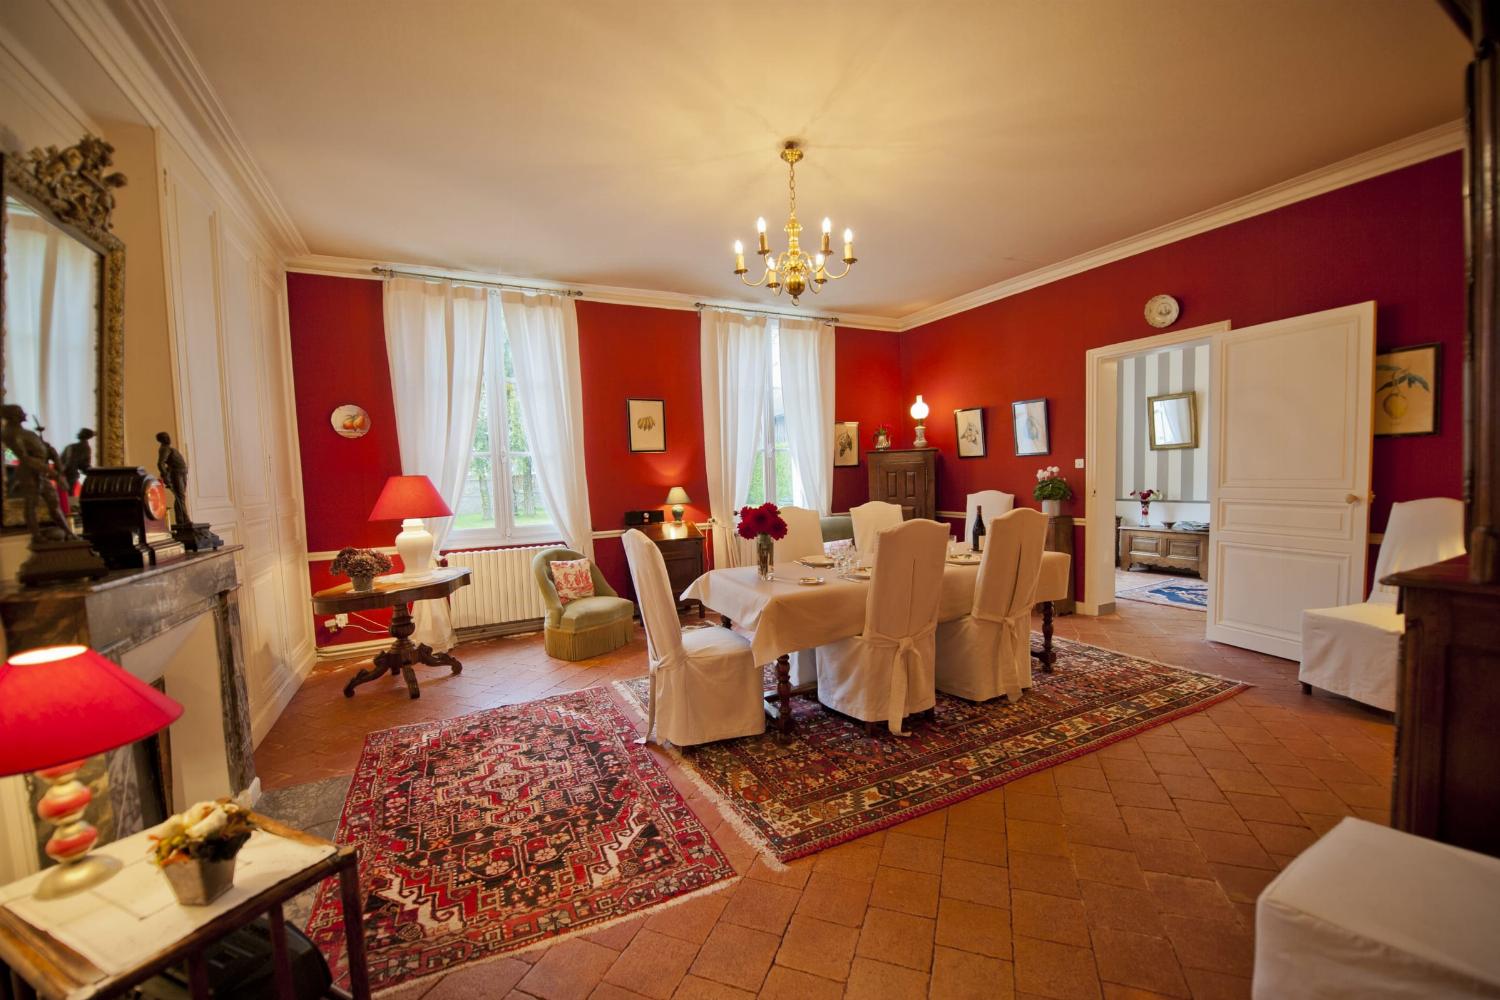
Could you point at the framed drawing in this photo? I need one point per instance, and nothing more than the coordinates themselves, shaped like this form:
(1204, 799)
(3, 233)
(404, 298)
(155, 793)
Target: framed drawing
(648, 424)
(845, 443)
(1406, 390)
(1029, 422)
(970, 432)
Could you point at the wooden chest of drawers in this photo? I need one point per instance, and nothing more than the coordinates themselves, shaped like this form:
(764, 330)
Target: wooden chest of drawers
(1164, 549)
(681, 548)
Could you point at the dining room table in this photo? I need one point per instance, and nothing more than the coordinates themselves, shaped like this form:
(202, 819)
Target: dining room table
(790, 612)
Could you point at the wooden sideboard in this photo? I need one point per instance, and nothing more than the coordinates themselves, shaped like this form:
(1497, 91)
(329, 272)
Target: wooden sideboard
(905, 476)
(1164, 548)
(681, 545)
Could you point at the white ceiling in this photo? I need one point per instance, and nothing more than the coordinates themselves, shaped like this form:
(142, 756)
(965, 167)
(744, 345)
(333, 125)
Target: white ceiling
(966, 143)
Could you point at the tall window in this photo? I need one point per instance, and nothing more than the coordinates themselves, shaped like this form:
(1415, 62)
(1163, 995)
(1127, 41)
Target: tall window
(773, 461)
(501, 501)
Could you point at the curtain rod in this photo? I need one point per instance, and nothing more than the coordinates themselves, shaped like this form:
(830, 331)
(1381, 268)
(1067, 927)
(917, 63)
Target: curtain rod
(700, 306)
(391, 272)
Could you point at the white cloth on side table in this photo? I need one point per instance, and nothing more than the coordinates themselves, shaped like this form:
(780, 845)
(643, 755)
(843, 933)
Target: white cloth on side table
(869, 520)
(1352, 650)
(994, 502)
(704, 684)
(1377, 914)
(886, 672)
(987, 652)
(1054, 581)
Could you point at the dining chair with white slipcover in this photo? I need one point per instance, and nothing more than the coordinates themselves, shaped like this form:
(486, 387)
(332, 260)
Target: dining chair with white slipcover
(870, 519)
(1353, 649)
(804, 535)
(994, 502)
(987, 652)
(885, 673)
(705, 686)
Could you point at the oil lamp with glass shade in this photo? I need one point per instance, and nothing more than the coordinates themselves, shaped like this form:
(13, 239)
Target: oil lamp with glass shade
(919, 413)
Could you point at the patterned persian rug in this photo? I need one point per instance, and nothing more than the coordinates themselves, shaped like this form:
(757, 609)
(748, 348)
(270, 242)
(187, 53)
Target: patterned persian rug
(495, 831)
(1185, 593)
(831, 782)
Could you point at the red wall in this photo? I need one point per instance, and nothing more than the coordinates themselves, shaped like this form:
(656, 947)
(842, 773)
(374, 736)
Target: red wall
(1396, 239)
(867, 388)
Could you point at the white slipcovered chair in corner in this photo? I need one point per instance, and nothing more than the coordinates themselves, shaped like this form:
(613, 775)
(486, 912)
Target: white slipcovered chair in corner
(705, 685)
(804, 535)
(987, 652)
(994, 502)
(886, 673)
(869, 520)
(1352, 650)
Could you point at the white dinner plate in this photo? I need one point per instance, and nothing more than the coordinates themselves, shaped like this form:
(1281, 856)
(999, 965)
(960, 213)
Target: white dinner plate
(817, 561)
(811, 581)
(964, 560)
(859, 574)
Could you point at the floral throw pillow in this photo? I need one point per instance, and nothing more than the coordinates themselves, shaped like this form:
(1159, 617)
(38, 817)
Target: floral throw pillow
(833, 548)
(572, 579)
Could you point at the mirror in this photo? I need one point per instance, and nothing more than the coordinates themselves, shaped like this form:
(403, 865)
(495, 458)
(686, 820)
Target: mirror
(1173, 420)
(61, 314)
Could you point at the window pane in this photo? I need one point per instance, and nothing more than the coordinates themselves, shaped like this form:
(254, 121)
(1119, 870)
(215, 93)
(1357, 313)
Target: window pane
(506, 360)
(758, 479)
(525, 493)
(476, 505)
(482, 425)
(784, 490)
(515, 432)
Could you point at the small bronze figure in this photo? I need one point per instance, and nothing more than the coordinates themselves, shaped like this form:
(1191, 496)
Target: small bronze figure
(35, 476)
(77, 458)
(173, 469)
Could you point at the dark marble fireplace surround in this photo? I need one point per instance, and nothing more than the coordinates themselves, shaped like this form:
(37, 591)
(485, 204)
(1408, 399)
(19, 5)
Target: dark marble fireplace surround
(116, 614)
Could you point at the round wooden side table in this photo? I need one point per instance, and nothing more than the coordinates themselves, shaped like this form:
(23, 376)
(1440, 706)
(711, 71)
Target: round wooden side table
(395, 592)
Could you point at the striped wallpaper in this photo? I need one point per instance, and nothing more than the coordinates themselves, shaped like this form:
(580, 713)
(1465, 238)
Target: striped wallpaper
(1181, 473)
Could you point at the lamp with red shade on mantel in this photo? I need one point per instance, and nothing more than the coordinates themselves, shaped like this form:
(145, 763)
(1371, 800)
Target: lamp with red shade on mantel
(409, 499)
(60, 705)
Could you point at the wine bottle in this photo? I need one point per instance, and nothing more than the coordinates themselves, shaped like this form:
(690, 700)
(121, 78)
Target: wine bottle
(976, 538)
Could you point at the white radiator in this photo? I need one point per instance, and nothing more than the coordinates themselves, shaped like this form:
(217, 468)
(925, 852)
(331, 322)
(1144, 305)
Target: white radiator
(501, 588)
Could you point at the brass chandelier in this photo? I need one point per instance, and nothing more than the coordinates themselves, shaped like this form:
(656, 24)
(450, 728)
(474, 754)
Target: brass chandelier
(792, 269)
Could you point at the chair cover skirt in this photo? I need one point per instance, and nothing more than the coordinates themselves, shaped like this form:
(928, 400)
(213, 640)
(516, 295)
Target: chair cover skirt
(714, 694)
(1352, 650)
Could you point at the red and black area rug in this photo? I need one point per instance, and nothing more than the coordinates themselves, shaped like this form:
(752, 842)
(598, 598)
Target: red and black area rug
(831, 782)
(494, 831)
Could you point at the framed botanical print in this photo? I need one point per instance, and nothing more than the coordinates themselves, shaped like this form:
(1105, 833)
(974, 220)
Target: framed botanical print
(970, 432)
(845, 443)
(648, 424)
(1029, 422)
(1406, 390)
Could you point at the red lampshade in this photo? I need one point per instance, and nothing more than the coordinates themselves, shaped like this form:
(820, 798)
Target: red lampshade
(65, 703)
(409, 496)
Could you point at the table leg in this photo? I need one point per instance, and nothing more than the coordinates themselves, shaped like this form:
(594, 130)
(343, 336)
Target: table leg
(354, 930)
(281, 963)
(20, 989)
(425, 654)
(1047, 654)
(198, 977)
(724, 620)
(784, 692)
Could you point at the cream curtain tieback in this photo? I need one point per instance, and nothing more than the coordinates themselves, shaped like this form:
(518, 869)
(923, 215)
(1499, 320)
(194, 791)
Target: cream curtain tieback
(905, 650)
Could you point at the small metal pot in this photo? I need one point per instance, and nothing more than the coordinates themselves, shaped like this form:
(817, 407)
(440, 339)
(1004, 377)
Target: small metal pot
(198, 883)
(362, 584)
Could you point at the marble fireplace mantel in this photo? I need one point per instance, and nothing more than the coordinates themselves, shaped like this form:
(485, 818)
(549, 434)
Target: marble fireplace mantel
(167, 625)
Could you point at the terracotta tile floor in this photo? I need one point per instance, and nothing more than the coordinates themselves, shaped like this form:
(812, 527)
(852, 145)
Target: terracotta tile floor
(1129, 873)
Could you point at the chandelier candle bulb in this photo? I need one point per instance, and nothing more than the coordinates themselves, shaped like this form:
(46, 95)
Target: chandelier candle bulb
(760, 229)
(827, 236)
(848, 246)
(739, 258)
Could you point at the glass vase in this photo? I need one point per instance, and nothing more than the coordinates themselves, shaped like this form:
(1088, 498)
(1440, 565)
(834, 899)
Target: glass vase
(765, 551)
(1145, 514)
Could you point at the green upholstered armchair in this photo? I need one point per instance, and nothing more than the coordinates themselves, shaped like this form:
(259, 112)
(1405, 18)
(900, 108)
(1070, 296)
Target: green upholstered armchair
(589, 626)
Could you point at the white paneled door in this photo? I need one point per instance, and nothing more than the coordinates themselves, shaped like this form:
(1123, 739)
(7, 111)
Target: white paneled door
(1289, 474)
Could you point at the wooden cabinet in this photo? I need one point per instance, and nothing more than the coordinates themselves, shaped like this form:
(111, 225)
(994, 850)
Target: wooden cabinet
(905, 476)
(1060, 539)
(1164, 549)
(682, 550)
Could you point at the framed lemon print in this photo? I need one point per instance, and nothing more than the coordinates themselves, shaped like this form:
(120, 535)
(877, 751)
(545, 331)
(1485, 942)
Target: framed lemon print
(1406, 390)
(648, 424)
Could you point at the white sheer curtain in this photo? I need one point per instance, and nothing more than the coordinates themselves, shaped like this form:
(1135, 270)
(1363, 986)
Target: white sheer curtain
(736, 354)
(435, 336)
(51, 293)
(806, 350)
(543, 333)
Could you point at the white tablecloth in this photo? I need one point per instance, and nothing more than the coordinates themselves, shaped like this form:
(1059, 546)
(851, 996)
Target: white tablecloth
(133, 916)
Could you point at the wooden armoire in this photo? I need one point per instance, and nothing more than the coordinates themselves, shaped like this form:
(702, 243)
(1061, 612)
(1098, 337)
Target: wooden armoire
(905, 476)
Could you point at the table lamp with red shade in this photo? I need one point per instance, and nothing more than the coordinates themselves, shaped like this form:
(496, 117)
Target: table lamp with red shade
(409, 499)
(60, 705)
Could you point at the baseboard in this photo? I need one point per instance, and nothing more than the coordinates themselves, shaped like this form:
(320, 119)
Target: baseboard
(500, 629)
(344, 650)
(264, 717)
(1102, 608)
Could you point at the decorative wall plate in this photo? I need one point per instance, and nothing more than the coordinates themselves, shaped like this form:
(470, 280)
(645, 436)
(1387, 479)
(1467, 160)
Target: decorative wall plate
(1162, 311)
(350, 421)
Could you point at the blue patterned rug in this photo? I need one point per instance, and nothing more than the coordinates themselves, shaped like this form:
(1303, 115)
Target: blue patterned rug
(1185, 593)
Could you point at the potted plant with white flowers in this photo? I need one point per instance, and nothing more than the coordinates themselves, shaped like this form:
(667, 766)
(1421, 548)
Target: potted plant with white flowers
(1051, 489)
(196, 849)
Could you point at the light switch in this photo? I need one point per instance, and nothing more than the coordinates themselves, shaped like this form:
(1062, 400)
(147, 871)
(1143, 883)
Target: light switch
(1077, 463)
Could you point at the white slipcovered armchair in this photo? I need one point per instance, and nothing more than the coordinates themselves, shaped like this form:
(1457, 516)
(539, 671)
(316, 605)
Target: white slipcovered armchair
(886, 673)
(1352, 650)
(804, 535)
(987, 652)
(869, 520)
(705, 685)
(994, 503)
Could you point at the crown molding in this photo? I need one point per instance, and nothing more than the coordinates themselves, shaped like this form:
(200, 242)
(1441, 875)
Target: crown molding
(41, 91)
(355, 267)
(183, 104)
(1423, 146)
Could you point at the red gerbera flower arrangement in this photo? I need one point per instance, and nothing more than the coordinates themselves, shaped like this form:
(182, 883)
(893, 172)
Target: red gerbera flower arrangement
(763, 520)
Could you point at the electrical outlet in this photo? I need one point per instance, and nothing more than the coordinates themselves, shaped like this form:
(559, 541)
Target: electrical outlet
(1077, 463)
(342, 620)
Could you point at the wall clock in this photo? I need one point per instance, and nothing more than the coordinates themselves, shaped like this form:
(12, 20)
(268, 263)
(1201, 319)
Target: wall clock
(1162, 311)
(350, 421)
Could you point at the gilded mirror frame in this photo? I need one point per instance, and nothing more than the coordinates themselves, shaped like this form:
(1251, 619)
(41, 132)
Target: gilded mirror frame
(73, 190)
(1192, 403)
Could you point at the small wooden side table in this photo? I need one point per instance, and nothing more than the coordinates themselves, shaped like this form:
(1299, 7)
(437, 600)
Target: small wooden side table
(40, 964)
(681, 545)
(395, 592)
